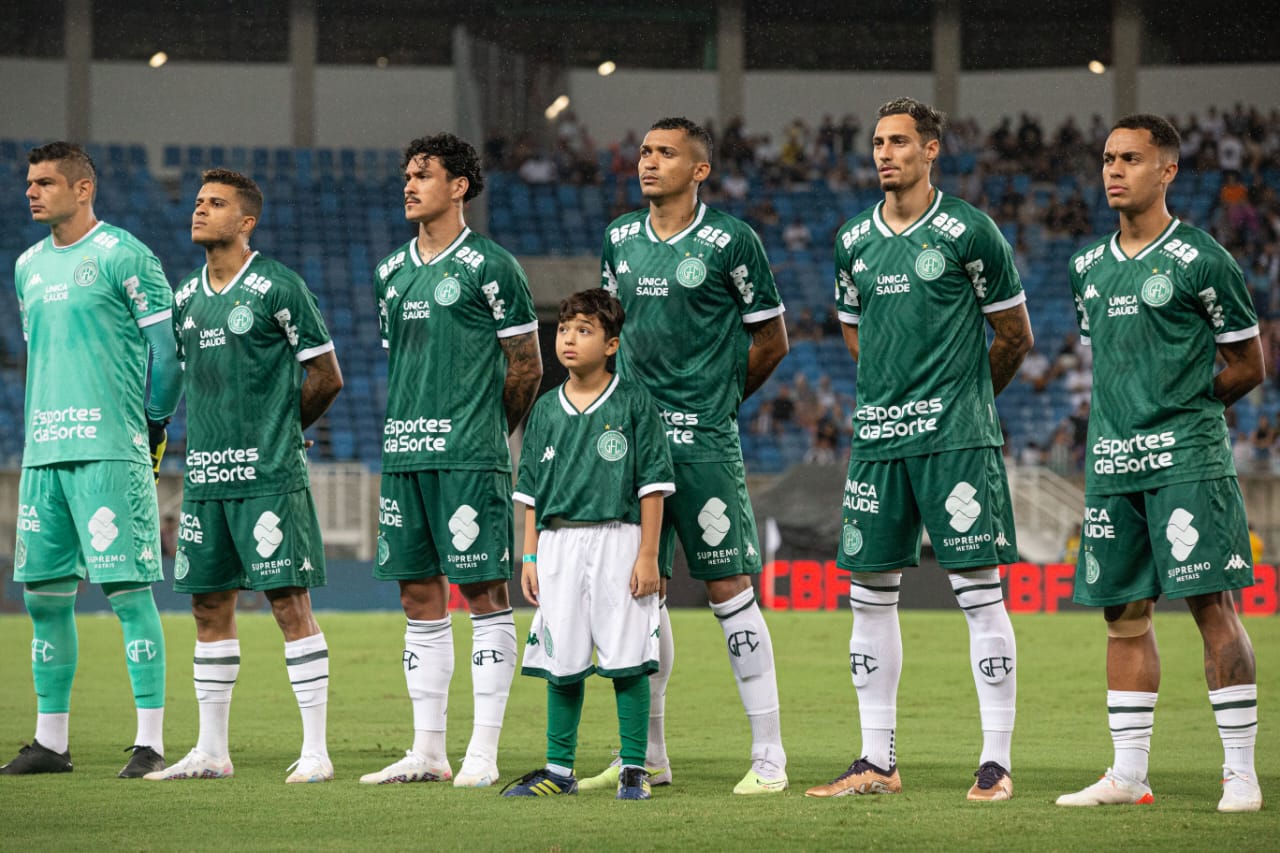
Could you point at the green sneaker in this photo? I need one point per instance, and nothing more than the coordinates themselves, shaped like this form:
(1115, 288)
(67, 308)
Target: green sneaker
(756, 783)
(608, 780)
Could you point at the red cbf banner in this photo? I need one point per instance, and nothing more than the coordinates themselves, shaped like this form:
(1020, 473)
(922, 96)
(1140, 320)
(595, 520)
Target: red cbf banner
(1029, 587)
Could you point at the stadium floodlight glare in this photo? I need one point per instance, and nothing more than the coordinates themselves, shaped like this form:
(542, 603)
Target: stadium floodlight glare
(607, 67)
(158, 58)
(1097, 67)
(559, 105)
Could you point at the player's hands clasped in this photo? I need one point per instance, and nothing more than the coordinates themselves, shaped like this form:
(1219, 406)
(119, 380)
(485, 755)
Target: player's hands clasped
(157, 441)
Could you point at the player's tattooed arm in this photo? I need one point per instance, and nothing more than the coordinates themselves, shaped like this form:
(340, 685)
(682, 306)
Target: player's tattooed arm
(524, 373)
(768, 347)
(1244, 371)
(320, 387)
(1013, 340)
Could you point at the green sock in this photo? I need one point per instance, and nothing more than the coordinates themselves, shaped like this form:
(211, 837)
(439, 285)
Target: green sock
(54, 643)
(564, 711)
(632, 694)
(143, 640)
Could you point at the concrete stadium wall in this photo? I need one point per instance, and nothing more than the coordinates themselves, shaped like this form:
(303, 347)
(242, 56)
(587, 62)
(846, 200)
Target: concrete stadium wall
(247, 104)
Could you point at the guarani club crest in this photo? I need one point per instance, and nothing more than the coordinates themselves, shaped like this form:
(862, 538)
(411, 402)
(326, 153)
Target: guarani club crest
(1157, 290)
(691, 272)
(240, 320)
(611, 445)
(930, 264)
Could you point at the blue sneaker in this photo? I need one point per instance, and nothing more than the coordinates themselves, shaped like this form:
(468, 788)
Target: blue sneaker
(633, 784)
(541, 783)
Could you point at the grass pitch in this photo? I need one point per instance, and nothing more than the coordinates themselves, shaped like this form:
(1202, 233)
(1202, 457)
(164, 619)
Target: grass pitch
(1061, 744)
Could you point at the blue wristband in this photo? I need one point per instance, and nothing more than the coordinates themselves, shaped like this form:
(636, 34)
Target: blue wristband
(531, 558)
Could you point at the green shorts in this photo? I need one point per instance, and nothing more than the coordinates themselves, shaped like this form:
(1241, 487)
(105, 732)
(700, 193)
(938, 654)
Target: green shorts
(1180, 540)
(453, 523)
(711, 513)
(960, 496)
(95, 520)
(267, 542)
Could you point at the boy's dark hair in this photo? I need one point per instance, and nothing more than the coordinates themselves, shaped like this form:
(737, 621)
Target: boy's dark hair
(247, 190)
(929, 122)
(457, 156)
(74, 162)
(1163, 133)
(699, 134)
(596, 302)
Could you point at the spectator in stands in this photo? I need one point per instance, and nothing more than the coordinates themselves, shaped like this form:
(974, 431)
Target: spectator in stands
(169, 535)
(735, 184)
(825, 440)
(806, 400)
(1263, 440)
(538, 169)
(1242, 452)
(796, 236)
(831, 324)
(1035, 370)
(763, 214)
(1060, 457)
(783, 410)
(850, 127)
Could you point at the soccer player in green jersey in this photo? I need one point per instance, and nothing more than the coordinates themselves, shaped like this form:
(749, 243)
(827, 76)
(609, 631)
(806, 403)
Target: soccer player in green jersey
(1158, 301)
(95, 304)
(704, 330)
(458, 323)
(259, 369)
(919, 277)
(593, 475)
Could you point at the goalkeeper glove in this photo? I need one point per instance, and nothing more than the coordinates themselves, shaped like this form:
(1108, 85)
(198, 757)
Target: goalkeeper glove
(158, 440)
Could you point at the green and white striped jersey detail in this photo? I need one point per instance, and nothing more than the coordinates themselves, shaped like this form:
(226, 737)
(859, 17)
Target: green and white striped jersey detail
(919, 300)
(596, 464)
(442, 322)
(242, 350)
(1154, 322)
(83, 308)
(688, 300)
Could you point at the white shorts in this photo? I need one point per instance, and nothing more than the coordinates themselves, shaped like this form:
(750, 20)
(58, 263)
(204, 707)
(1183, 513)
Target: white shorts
(584, 590)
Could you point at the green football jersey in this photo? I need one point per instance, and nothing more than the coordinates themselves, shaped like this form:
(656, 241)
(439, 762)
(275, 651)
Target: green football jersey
(688, 300)
(242, 351)
(918, 299)
(83, 308)
(442, 321)
(594, 465)
(1153, 322)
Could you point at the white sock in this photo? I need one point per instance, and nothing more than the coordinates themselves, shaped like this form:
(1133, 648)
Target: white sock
(1131, 715)
(656, 755)
(992, 653)
(751, 656)
(150, 729)
(217, 666)
(307, 661)
(428, 669)
(52, 731)
(493, 667)
(875, 661)
(1235, 709)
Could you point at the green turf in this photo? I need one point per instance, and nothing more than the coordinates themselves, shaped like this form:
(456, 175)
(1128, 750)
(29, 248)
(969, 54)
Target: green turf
(1061, 744)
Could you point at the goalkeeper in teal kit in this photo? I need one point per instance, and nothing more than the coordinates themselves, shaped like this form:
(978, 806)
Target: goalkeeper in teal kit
(95, 306)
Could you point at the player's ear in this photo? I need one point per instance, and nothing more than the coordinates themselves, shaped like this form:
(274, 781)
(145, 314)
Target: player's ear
(1169, 171)
(931, 149)
(460, 186)
(611, 346)
(247, 224)
(84, 190)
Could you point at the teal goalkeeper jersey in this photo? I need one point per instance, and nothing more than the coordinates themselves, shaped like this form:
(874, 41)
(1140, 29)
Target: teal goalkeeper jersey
(1154, 322)
(242, 351)
(442, 322)
(919, 300)
(688, 300)
(596, 464)
(83, 310)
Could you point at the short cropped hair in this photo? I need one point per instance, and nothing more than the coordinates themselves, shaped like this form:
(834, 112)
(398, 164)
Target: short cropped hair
(1163, 133)
(247, 190)
(929, 121)
(696, 132)
(595, 302)
(457, 157)
(74, 162)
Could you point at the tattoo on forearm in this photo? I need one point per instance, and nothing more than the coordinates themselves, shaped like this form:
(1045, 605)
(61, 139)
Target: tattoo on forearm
(524, 372)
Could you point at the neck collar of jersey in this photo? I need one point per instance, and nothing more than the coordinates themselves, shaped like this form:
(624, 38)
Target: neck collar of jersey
(87, 235)
(878, 218)
(1119, 254)
(697, 220)
(235, 279)
(440, 256)
(597, 403)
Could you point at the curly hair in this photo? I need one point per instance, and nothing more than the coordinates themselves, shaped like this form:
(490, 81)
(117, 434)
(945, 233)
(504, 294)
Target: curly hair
(457, 157)
(929, 122)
